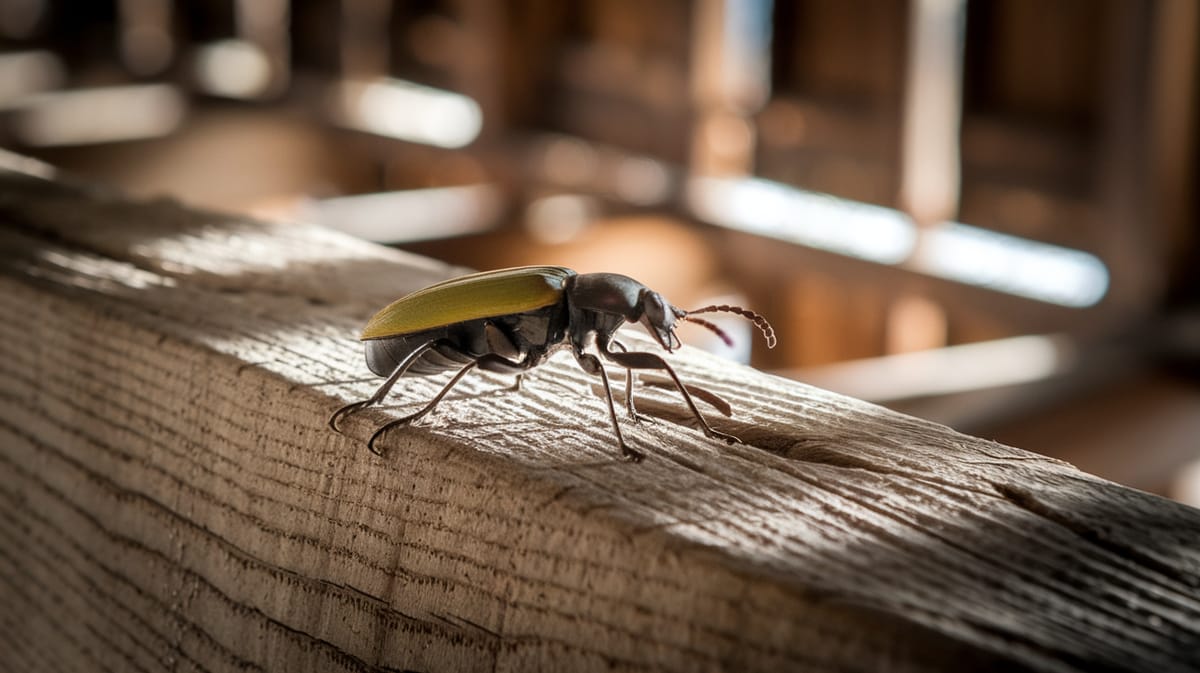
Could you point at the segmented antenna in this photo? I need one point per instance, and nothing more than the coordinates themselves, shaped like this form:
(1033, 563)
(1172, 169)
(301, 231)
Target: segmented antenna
(712, 328)
(760, 322)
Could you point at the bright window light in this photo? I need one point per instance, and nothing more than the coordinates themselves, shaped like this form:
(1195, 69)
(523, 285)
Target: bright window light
(101, 115)
(408, 111)
(412, 215)
(954, 251)
(233, 68)
(817, 220)
(950, 370)
(17, 163)
(1019, 266)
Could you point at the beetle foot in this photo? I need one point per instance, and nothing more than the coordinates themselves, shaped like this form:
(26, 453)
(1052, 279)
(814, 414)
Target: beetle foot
(729, 439)
(634, 415)
(631, 455)
(398, 423)
(638, 419)
(375, 437)
(517, 384)
(373, 449)
(351, 408)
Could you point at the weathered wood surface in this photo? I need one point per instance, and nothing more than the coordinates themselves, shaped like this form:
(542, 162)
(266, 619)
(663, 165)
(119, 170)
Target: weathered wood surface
(172, 499)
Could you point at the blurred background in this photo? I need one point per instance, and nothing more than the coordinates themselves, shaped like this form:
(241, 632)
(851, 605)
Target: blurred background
(981, 212)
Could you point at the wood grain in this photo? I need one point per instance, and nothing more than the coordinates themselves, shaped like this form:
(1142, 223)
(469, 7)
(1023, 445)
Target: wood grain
(172, 500)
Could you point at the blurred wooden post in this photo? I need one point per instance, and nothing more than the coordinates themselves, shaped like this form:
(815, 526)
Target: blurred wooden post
(172, 498)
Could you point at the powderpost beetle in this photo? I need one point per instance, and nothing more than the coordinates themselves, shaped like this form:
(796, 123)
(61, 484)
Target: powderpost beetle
(510, 320)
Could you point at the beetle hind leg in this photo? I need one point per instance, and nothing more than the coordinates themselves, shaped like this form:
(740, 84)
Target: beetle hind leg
(417, 415)
(352, 408)
(429, 406)
(378, 395)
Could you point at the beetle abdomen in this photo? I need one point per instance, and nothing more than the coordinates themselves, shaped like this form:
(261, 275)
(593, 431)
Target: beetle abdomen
(522, 339)
(384, 355)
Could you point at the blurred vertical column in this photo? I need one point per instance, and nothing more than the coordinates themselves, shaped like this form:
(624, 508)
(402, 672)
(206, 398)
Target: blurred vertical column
(265, 24)
(830, 79)
(147, 45)
(731, 64)
(929, 155)
(251, 58)
(26, 67)
(932, 111)
(364, 41)
(1144, 181)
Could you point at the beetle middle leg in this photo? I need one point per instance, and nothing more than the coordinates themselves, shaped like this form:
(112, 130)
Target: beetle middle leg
(629, 406)
(637, 360)
(518, 383)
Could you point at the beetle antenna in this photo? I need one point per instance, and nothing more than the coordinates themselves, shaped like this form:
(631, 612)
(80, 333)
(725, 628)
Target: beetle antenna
(760, 322)
(712, 328)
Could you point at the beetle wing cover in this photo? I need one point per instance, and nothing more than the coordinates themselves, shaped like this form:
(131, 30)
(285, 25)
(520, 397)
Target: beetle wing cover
(479, 295)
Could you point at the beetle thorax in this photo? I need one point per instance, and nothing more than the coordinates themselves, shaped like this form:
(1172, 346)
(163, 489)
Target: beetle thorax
(601, 302)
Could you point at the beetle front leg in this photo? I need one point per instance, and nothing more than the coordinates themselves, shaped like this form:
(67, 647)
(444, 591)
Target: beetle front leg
(637, 360)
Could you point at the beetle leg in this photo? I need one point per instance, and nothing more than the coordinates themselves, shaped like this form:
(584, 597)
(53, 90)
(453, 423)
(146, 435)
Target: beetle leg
(637, 418)
(423, 410)
(499, 343)
(591, 364)
(382, 392)
(516, 386)
(714, 400)
(490, 358)
(651, 361)
(629, 406)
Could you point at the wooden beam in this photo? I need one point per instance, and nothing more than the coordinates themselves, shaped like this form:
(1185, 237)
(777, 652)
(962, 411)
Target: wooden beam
(172, 498)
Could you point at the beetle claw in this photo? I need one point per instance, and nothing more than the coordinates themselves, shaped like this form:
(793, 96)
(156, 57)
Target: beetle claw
(399, 422)
(375, 437)
(372, 449)
(345, 411)
(631, 455)
(642, 418)
(729, 439)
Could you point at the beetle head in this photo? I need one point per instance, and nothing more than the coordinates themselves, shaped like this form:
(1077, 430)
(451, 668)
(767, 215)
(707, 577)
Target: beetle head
(620, 297)
(658, 317)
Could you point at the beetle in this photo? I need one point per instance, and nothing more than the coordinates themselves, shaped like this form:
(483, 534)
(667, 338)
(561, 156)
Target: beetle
(511, 320)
